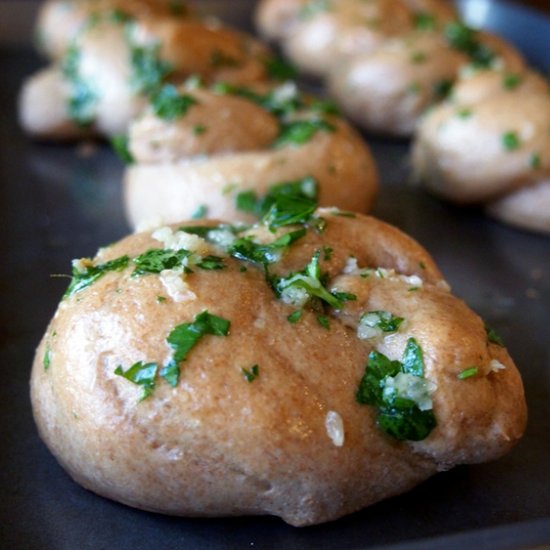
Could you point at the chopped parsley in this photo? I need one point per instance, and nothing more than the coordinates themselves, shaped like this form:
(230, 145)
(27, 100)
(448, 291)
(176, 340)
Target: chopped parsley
(211, 263)
(425, 21)
(466, 40)
(169, 104)
(464, 112)
(442, 88)
(120, 146)
(47, 359)
(534, 161)
(83, 97)
(279, 69)
(85, 276)
(400, 394)
(373, 323)
(161, 299)
(323, 321)
(298, 288)
(199, 129)
(200, 212)
(252, 373)
(327, 253)
(295, 316)
(510, 141)
(142, 374)
(294, 200)
(511, 81)
(246, 249)
(493, 336)
(156, 260)
(184, 337)
(299, 132)
(148, 69)
(467, 373)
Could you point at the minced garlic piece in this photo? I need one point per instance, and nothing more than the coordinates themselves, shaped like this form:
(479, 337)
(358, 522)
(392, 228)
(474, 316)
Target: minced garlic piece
(176, 287)
(176, 240)
(335, 428)
(82, 264)
(495, 365)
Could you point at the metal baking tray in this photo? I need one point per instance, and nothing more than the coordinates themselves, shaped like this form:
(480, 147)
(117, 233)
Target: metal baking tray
(63, 201)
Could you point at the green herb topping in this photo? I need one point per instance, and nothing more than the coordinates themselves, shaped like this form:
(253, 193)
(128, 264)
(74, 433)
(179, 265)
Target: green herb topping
(465, 39)
(510, 141)
(120, 146)
(142, 374)
(299, 132)
(47, 359)
(323, 321)
(246, 249)
(493, 336)
(425, 21)
(374, 323)
(186, 336)
(83, 96)
(278, 69)
(169, 104)
(298, 288)
(148, 70)
(303, 191)
(295, 316)
(534, 161)
(467, 373)
(511, 81)
(84, 276)
(400, 394)
(200, 212)
(252, 373)
(464, 112)
(442, 88)
(156, 260)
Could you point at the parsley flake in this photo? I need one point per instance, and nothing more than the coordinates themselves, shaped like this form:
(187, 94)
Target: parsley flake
(510, 141)
(169, 104)
(47, 359)
(142, 374)
(252, 373)
(400, 394)
(148, 69)
(120, 146)
(299, 132)
(200, 212)
(84, 277)
(82, 97)
(493, 336)
(295, 316)
(185, 337)
(323, 321)
(467, 373)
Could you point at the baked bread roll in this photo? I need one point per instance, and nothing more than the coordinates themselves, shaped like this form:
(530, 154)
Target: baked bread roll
(387, 91)
(215, 151)
(108, 61)
(489, 143)
(384, 62)
(304, 371)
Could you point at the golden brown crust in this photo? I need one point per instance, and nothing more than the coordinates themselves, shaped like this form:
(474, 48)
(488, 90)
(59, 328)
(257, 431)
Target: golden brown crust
(218, 445)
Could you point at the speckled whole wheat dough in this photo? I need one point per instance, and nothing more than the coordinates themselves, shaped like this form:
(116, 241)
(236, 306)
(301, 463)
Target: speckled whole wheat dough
(218, 445)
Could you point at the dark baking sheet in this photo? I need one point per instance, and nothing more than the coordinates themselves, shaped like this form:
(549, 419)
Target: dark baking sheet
(60, 202)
